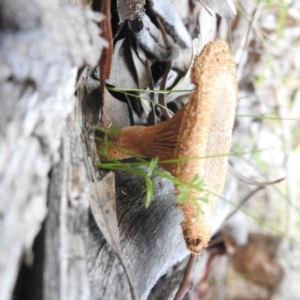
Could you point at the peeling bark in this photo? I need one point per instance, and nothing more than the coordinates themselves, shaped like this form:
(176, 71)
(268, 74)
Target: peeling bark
(49, 176)
(42, 45)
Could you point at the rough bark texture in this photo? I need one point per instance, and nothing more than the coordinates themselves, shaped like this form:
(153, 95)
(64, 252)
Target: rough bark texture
(62, 236)
(144, 244)
(42, 45)
(48, 170)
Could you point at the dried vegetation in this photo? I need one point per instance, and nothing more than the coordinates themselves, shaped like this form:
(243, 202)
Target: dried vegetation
(97, 240)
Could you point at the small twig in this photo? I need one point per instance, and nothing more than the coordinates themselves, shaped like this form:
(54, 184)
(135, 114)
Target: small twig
(247, 37)
(251, 181)
(251, 194)
(205, 7)
(162, 97)
(119, 29)
(163, 33)
(204, 278)
(219, 239)
(186, 284)
(214, 242)
(151, 117)
(107, 53)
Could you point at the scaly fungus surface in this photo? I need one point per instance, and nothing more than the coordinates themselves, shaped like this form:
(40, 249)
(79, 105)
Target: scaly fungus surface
(200, 134)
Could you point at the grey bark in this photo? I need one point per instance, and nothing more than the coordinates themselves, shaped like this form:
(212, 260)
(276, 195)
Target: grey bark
(146, 243)
(48, 170)
(42, 45)
(91, 245)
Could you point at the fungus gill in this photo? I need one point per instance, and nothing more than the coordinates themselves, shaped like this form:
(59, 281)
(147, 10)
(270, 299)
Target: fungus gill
(201, 129)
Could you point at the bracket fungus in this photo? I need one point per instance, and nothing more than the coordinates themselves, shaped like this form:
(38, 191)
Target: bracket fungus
(201, 129)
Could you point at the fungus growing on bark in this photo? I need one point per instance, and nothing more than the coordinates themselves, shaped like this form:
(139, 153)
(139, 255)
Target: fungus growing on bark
(201, 129)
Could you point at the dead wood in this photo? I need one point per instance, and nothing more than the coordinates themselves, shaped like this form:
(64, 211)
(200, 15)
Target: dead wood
(42, 45)
(87, 242)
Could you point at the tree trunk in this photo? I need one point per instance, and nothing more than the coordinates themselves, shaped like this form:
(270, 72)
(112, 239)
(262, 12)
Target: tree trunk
(49, 173)
(69, 231)
(42, 45)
